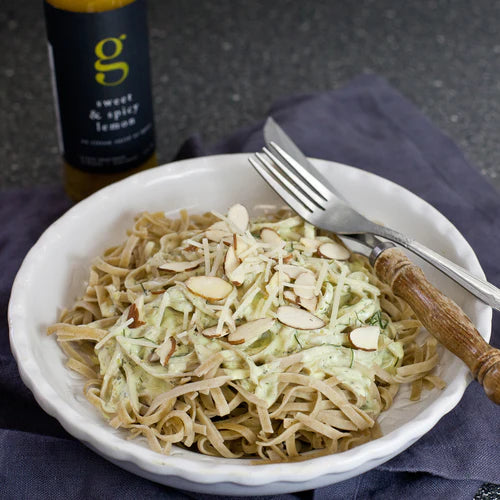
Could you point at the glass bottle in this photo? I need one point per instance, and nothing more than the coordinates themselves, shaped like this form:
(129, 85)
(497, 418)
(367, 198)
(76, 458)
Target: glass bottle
(99, 55)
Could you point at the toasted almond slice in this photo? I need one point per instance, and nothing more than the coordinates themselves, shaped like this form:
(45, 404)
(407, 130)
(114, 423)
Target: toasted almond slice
(365, 338)
(133, 314)
(218, 231)
(333, 250)
(190, 248)
(250, 330)
(153, 357)
(231, 262)
(173, 345)
(287, 258)
(309, 243)
(309, 304)
(238, 275)
(232, 268)
(216, 234)
(304, 285)
(220, 225)
(209, 287)
(290, 296)
(238, 215)
(239, 245)
(275, 279)
(293, 271)
(179, 267)
(299, 318)
(211, 332)
(270, 236)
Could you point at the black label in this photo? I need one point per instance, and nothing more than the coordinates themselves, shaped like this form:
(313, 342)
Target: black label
(102, 78)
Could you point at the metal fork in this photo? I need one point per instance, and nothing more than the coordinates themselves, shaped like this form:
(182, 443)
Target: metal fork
(317, 204)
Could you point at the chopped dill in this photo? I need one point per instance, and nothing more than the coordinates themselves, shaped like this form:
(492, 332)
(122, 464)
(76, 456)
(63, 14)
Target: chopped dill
(297, 340)
(377, 319)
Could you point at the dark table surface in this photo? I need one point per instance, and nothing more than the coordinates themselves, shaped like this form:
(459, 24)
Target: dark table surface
(219, 64)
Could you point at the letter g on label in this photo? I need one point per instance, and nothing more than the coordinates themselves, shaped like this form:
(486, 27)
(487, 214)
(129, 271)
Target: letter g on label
(105, 62)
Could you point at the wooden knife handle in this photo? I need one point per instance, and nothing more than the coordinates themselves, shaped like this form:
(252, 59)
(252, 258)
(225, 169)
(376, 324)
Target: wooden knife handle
(442, 318)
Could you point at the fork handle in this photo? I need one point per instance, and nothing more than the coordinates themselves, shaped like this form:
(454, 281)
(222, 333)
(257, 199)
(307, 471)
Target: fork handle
(484, 291)
(442, 317)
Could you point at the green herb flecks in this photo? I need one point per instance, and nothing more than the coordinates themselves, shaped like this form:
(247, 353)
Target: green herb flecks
(377, 319)
(297, 340)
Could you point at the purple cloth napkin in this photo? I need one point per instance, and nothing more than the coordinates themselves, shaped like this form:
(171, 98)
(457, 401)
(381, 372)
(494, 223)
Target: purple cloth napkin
(366, 124)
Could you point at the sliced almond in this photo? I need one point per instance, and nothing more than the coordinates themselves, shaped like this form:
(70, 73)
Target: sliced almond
(271, 237)
(365, 338)
(211, 332)
(231, 262)
(250, 330)
(227, 240)
(310, 244)
(234, 272)
(299, 318)
(238, 276)
(173, 345)
(293, 271)
(209, 287)
(287, 258)
(133, 314)
(275, 280)
(304, 285)
(216, 235)
(290, 296)
(218, 231)
(153, 357)
(238, 215)
(239, 245)
(309, 304)
(220, 225)
(179, 267)
(333, 250)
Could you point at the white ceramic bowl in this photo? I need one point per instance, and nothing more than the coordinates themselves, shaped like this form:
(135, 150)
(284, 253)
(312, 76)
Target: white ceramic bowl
(53, 275)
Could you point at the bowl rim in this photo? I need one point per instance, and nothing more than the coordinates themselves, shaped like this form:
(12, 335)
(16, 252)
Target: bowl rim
(202, 471)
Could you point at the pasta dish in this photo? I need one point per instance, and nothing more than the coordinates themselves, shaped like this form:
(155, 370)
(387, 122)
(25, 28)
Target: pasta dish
(263, 338)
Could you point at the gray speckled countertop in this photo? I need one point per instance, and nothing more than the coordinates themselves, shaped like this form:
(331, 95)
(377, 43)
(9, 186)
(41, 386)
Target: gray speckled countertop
(219, 64)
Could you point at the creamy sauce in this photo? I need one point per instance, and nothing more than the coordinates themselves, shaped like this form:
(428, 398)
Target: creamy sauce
(324, 353)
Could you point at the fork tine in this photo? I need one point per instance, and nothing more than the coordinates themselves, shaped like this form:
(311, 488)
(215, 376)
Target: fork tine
(295, 179)
(282, 192)
(306, 175)
(294, 190)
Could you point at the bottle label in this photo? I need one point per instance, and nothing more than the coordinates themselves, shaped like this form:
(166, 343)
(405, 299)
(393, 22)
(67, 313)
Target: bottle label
(103, 87)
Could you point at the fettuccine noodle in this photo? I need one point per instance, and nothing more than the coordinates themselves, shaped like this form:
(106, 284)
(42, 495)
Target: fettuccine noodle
(237, 338)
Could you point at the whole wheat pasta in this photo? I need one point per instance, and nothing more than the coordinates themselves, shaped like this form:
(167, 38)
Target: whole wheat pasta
(197, 332)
